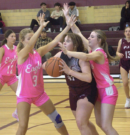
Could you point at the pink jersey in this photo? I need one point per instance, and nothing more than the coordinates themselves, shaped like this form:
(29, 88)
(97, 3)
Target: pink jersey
(101, 72)
(30, 83)
(9, 61)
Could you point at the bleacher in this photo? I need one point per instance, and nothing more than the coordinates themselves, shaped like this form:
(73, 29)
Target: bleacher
(112, 37)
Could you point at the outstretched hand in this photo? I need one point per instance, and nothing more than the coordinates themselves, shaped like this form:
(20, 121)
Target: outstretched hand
(62, 48)
(65, 9)
(71, 20)
(42, 20)
(65, 68)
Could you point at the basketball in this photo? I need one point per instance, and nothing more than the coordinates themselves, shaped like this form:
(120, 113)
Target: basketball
(52, 67)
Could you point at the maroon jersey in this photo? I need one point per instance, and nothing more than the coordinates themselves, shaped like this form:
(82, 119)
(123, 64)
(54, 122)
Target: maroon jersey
(77, 86)
(125, 49)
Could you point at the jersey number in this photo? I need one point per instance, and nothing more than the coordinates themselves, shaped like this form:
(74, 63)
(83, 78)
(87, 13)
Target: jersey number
(71, 78)
(10, 71)
(127, 54)
(35, 80)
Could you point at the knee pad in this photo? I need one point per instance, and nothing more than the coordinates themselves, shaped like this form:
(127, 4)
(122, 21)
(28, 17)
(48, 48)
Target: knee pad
(56, 119)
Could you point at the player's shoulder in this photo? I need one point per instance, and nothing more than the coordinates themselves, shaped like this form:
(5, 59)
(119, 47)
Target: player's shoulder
(2, 49)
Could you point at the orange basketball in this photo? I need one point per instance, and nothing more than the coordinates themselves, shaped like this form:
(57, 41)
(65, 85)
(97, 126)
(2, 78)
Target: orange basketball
(52, 67)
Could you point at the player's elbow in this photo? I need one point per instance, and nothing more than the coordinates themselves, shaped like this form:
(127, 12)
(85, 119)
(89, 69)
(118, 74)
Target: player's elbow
(88, 79)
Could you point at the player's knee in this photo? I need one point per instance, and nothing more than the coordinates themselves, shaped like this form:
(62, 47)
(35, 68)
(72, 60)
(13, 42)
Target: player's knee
(105, 128)
(125, 83)
(81, 123)
(23, 127)
(56, 119)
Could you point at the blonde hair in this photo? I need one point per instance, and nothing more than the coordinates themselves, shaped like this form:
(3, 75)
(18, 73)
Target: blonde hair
(22, 35)
(101, 35)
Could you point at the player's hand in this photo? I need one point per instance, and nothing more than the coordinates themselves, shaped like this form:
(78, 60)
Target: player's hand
(71, 20)
(62, 48)
(42, 20)
(120, 55)
(65, 68)
(65, 9)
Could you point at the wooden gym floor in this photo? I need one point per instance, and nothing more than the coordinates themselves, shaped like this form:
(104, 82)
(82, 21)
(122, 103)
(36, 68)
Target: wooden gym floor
(39, 124)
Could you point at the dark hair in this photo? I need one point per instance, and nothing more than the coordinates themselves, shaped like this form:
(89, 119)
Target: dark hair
(6, 34)
(57, 4)
(43, 4)
(72, 4)
(77, 41)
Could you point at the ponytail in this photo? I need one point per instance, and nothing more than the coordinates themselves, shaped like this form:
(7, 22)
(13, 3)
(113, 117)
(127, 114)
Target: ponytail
(101, 35)
(110, 58)
(4, 41)
(20, 46)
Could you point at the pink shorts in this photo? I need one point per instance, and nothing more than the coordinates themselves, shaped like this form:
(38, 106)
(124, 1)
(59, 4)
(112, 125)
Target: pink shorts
(38, 101)
(108, 95)
(8, 79)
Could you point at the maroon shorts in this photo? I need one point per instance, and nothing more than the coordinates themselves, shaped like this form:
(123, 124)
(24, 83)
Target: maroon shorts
(125, 64)
(90, 94)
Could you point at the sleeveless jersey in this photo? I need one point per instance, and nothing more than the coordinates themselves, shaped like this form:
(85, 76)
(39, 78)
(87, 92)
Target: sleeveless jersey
(101, 72)
(9, 61)
(76, 86)
(30, 82)
(125, 49)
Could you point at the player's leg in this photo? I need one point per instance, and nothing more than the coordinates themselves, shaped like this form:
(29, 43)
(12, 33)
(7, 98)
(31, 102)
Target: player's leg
(104, 111)
(14, 88)
(90, 124)
(1, 86)
(49, 109)
(124, 75)
(1, 82)
(23, 113)
(83, 113)
(107, 113)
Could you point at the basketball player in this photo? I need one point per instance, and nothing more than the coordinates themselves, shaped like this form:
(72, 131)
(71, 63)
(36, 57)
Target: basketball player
(123, 51)
(99, 60)
(30, 85)
(8, 60)
(82, 86)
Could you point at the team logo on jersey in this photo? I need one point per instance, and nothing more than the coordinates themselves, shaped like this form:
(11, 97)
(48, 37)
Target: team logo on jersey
(30, 68)
(71, 78)
(126, 47)
(8, 60)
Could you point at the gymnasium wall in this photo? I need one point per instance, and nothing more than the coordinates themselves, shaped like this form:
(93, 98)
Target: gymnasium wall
(88, 15)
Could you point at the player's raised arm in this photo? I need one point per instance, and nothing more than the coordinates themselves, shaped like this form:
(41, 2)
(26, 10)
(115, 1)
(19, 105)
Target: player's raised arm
(32, 39)
(74, 28)
(44, 49)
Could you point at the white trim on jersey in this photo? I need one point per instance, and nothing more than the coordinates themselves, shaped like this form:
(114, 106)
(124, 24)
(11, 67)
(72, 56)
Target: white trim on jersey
(19, 85)
(108, 80)
(8, 47)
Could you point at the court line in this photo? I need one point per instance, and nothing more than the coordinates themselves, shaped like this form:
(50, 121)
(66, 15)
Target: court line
(14, 122)
(5, 126)
(47, 123)
(63, 120)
